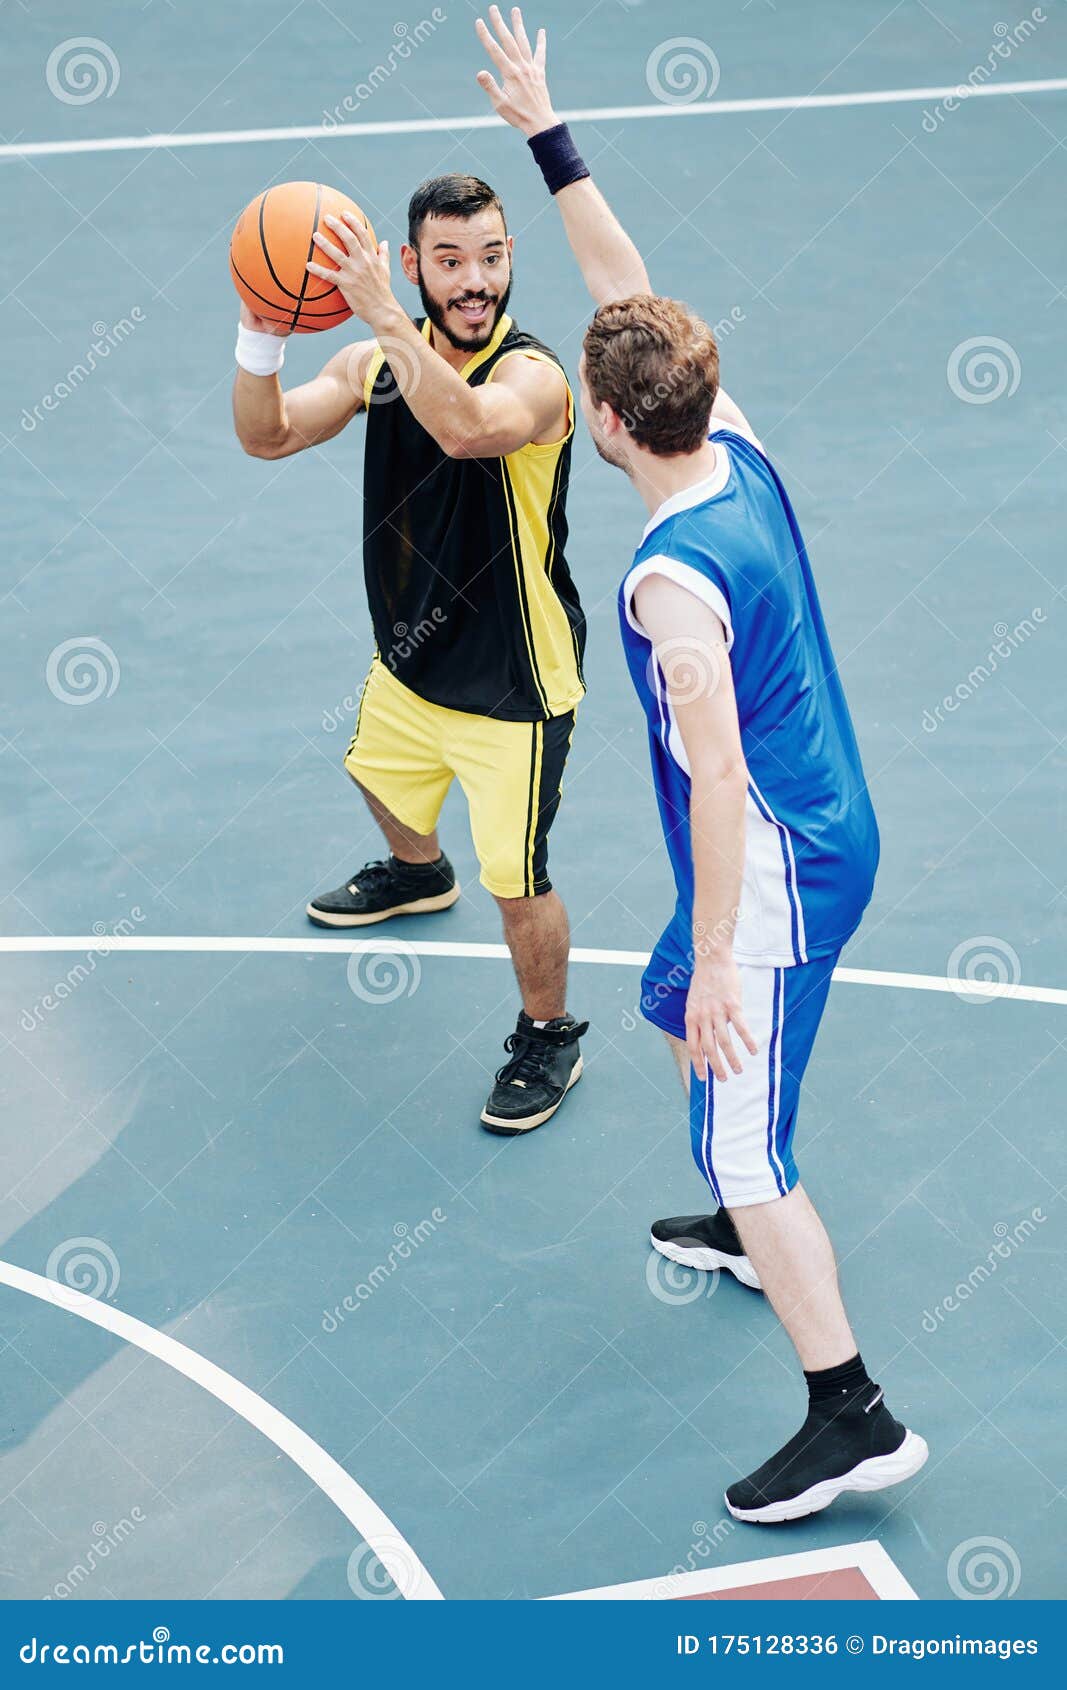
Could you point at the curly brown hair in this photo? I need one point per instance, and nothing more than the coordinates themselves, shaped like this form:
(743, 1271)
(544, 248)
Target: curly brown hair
(655, 362)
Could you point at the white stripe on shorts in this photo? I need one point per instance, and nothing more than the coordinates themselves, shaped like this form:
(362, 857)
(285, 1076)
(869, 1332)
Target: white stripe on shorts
(734, 1145)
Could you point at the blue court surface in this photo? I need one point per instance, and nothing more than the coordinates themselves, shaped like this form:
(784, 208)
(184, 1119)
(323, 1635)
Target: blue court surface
(277, 1319)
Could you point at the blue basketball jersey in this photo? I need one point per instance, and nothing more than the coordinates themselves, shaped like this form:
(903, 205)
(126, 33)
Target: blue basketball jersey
(811, 840)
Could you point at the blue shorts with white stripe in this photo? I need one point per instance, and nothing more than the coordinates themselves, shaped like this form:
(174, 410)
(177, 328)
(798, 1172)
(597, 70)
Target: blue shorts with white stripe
(742, 1128)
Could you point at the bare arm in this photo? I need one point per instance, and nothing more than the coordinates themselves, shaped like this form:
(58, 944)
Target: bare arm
(524, 402)
(690, 645)
(271, 423)
(611, 265)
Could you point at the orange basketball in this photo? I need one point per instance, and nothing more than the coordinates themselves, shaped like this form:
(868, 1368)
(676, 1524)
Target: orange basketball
(270, 249)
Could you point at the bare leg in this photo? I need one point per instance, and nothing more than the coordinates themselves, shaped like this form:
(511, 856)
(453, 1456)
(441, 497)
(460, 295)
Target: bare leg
(787, 1245)
(406, 845)
(539, 938)
(680, 1052)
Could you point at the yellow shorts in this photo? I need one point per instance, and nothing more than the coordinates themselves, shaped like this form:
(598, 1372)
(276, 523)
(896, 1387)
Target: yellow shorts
(407, 751)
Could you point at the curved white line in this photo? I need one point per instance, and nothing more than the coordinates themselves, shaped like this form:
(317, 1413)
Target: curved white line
(101, 945)
(373, 1526)
(482, 120)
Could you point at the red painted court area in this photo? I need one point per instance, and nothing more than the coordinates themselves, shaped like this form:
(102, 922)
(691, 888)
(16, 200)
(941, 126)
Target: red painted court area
(849, 1572)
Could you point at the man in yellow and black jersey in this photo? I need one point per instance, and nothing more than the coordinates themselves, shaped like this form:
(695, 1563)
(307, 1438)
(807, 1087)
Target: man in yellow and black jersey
(478, 628)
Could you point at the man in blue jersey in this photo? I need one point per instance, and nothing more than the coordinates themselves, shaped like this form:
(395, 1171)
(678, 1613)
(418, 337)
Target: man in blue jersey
(762, 797)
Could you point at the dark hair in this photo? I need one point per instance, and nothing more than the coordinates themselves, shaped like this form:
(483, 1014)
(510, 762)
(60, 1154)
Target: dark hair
(449, 196)
(656, 364)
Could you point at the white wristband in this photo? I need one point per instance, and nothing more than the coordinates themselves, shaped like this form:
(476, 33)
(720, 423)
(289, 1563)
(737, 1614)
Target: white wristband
(259, 354)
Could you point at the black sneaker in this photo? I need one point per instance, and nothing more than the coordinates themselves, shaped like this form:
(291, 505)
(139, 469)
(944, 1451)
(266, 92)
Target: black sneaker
(855, 1445)
(545, 1064)
(379, 890)
(707, 1242)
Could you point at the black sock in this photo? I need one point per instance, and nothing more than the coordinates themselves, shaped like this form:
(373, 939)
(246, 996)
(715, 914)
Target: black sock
(416, 868)
(843, 1380)
(729, 1233)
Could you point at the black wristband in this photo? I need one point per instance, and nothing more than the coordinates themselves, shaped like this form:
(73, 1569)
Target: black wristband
(557, 157)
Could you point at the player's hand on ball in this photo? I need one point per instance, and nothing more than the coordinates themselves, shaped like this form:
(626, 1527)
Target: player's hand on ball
(362, 274)
(523, 99)
(712, 1009)
(262, 325)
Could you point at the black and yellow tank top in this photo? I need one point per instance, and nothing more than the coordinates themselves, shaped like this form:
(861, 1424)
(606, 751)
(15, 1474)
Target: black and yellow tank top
(471, 598)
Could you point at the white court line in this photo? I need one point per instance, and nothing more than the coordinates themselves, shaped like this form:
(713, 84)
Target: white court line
(877, 1566)
(102, 944)
(374, 1527)
(482, 120)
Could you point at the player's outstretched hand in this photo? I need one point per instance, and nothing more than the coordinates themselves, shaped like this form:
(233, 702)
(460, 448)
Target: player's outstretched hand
(523, 99)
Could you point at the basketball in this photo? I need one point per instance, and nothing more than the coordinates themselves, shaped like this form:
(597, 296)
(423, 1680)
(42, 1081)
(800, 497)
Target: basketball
(270, 249)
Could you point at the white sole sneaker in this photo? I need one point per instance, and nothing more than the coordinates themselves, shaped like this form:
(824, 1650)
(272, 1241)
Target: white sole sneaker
(877, 1473)
(504, 1128)
(416, 906)
(705, 1259)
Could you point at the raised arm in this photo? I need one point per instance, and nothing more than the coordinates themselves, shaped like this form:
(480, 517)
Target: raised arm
(271, 423)
(611, 265)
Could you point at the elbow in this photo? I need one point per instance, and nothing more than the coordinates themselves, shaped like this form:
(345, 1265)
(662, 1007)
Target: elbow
(721, 774)
(266, 449)
(470, 446)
